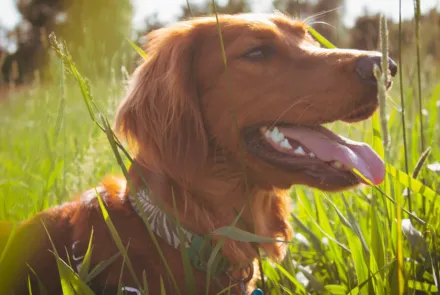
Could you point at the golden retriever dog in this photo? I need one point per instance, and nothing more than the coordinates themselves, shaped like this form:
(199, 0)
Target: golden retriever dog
(218, 136)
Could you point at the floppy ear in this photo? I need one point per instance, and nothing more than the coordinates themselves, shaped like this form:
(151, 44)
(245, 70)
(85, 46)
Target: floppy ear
(161, 112)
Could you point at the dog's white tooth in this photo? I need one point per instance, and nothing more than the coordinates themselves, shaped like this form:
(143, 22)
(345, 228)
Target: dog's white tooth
(285, 144)
(267, 134)
(276, 132)
(279, 137)
(337, 164)
(282, 135)
(300, 151)
(273, 137)
(276, 136)
(312, 155)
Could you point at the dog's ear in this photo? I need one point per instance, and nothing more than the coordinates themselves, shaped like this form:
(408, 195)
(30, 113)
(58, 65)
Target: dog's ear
(161, 112)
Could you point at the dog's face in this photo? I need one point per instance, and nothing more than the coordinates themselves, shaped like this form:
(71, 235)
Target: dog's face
(265, 104)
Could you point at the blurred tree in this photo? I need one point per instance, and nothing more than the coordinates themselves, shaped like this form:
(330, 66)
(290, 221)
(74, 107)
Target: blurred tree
(30, 55)
(365, 35)
(3, 51)
(325, 13)
(231, 7)
(152, 23)
(329, 12)
(365, 32)
(431, 33)
(295, 8)
(94, 30)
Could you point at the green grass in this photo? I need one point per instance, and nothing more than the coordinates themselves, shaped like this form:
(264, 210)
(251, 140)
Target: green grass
(345, 243)
(49, 148)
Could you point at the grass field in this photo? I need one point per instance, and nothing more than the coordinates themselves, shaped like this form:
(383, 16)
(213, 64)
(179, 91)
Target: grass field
(344, 243)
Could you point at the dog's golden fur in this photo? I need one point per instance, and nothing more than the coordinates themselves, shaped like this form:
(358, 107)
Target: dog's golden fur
(182, 115)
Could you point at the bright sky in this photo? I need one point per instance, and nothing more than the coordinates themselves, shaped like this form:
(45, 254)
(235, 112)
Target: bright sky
(168, 9)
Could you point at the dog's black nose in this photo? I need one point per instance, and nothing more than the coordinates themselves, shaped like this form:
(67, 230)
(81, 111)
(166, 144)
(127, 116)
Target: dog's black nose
(365, 66)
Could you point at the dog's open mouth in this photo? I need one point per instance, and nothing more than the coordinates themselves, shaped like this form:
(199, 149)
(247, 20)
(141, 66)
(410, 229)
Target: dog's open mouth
(316, 151)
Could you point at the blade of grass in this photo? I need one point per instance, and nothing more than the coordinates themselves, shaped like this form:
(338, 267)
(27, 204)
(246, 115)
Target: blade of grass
(7, 229)
(212, 261)
(354, 225)
(189, 8)
(413, 184)
(292, 279)
(101, 266)
(84, 270)
(420, 286)
(402, 103)
(29, 285)
(336, 289)
(188, 269)
(117, 240)
(315, 240)
(70, 282)
(240, 235)
(120, 289)
(337, 254)
(382, 78)
(386, 142)
(41, 288)
(162, 287)
(421, 162)
(419, 69)
(138, 49)
(321, 39)
(145, 282)
(237, 130)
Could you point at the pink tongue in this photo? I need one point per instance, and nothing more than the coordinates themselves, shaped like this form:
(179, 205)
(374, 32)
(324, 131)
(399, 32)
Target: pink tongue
(328, 146)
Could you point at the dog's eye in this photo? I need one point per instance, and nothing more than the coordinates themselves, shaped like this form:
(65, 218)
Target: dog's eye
(259, 53)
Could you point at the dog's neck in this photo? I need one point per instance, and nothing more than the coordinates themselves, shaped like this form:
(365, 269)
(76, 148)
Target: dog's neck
(214, 199)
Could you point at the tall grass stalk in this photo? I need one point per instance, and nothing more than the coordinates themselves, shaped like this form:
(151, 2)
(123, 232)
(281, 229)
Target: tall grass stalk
(241, 148)
(419, 69)
(383, 85)
(402, 104)
(63, 124)
(231, 96)
(419, 81)
(386, 142)
(189, 7)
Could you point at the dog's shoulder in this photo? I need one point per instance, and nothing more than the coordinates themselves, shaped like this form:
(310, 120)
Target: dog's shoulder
(112, 198)
(112, 192)
(89, 222)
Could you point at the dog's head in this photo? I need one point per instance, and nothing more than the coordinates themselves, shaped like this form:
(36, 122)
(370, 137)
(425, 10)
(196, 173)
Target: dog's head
(262, 100)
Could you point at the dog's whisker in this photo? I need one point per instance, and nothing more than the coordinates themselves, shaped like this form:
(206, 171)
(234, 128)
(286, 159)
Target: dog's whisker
(320, 14)
(300, 100)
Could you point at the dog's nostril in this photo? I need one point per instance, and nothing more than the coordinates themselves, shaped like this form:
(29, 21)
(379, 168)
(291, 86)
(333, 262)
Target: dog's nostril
(365, 66)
